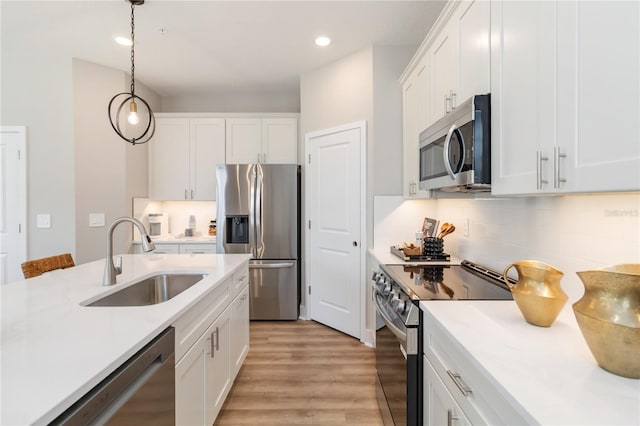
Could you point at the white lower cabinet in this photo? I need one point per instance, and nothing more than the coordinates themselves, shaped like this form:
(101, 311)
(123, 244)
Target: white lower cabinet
(239, 343)
(203, 377)
(164, 248)
(439, 406)
(206, 369)
(456, 390)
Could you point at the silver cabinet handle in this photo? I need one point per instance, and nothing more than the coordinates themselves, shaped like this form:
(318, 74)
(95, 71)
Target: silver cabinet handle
(451, 417)
(452, 96)
(217, 333)
(213, 347)
(192, 194)
(557, 180)
(185, 194)
(271, 265)
(539, 159)
(258, 157)
(457, 379)
(446, 104)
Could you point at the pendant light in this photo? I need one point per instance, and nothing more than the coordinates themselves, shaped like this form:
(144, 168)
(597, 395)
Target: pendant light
(137, 133)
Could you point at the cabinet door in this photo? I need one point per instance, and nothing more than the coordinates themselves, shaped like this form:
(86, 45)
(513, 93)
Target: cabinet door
(190, 384)
(523, 93)
(442, 55)
(207, 148)
(280, 140)
(473, 21)
(439, 406)
(244, 140)
(598, 99)
(217, 374)
(410, 136)
(169, 160)
(239, 331)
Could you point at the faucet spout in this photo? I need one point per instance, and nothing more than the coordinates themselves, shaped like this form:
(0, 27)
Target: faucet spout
(110, 270)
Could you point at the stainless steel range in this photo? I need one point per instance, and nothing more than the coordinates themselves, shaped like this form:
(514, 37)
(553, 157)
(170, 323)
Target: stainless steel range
(397, 291)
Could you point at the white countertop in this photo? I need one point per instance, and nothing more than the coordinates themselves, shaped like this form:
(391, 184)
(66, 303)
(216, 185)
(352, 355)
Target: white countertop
(54, 350)
(550, 372)
(385, 257)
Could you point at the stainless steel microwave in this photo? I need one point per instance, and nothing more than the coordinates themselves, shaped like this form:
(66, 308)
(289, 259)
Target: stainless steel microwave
(455, 151)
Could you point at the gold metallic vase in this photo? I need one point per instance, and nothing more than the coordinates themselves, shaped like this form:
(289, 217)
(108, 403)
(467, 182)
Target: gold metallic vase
(609, 317)
(538, 293)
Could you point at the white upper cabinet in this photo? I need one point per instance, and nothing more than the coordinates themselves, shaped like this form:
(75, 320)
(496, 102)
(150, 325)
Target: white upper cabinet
(459, 58)
(262, 140)
(565, 102)
(415, 110)
(451, 66)
(182, 158)
(473, 41)
(169, 159)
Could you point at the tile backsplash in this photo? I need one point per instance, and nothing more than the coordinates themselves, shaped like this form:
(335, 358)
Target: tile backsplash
(572, 233)
(178, 212)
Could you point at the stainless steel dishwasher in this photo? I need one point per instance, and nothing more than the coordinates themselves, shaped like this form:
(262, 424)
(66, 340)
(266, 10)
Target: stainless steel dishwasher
(141, 391)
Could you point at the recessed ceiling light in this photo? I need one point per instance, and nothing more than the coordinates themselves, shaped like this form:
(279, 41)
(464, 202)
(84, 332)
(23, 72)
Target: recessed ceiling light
(125, 41)
(323, 41)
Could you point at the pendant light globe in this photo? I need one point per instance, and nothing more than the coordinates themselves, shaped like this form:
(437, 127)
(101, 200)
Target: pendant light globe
(134, 132)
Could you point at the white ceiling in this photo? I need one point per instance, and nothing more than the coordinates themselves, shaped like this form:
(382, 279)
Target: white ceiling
(217, 46)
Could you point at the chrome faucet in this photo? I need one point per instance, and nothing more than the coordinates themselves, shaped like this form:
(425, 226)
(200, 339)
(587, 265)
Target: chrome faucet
(111, 270)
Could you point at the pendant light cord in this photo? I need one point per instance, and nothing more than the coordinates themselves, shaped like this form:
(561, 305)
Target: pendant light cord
(133, 43)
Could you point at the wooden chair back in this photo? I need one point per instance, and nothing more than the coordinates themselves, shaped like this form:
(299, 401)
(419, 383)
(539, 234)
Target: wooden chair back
(33, 268)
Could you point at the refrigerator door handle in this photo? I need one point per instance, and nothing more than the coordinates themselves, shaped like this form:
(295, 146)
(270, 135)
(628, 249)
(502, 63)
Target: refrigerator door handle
(271, 265)
(259, 246)
(252, 213)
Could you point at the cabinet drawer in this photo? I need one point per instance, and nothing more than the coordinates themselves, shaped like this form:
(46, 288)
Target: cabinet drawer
(240, 280)
(479, 398)
(194, 322)
(197, 248)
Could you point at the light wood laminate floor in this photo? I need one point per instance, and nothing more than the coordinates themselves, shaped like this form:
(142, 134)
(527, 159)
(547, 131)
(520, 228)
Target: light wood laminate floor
(303, 373)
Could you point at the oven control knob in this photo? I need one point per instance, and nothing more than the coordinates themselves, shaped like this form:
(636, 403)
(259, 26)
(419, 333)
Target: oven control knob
(386, 289)
(395, 298)
(401, 306)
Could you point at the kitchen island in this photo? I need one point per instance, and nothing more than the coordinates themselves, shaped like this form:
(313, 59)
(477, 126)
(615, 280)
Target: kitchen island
(518, 373)
(54, 349)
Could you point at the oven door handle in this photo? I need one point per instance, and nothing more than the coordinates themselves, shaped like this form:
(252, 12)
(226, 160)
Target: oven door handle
(401, 335)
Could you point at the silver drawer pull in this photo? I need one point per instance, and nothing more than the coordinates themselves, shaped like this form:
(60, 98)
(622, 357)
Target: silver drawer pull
(457, 379)
(451, 417)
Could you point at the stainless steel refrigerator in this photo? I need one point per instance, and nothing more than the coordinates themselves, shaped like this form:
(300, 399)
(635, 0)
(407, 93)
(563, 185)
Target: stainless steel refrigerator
(259, 213)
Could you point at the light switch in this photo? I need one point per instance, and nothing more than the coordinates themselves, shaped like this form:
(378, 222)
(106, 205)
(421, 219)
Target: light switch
(96, 219)
(43, 220)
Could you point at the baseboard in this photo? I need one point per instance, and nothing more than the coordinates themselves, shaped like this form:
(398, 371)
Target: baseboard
(303, 313)
(369, 338)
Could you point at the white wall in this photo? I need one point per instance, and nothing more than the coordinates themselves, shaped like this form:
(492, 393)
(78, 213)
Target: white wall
(108, 170)
(36, 91)
(361, 86)
(233, 102)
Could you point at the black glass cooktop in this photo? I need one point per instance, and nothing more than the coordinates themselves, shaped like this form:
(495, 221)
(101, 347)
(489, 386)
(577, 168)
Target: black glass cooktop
(449, 282)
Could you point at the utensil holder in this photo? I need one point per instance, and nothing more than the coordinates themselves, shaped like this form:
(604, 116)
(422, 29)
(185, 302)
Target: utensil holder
(432, 246)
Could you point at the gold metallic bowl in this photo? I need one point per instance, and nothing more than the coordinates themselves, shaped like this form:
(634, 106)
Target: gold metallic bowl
(609, 317)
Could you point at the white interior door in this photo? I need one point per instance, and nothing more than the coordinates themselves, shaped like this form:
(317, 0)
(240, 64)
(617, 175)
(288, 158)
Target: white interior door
(13, 211)
(335, 214)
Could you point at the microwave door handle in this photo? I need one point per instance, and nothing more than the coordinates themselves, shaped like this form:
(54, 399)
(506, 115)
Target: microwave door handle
(445, 151)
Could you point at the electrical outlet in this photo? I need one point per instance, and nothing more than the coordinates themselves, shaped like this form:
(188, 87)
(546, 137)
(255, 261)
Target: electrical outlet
(466, 228)
(43, 220)
(96, 219)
